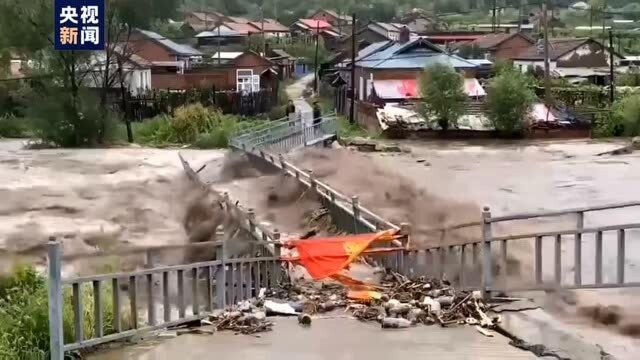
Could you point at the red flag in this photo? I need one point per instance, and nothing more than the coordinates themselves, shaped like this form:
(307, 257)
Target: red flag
(325, 257)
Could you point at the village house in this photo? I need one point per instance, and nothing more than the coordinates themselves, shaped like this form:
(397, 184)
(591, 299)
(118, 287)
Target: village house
(199, 21)
(221, 40)
(404, 59)
(309, 27)
(332, 18)
(248, 72)
(374, 32)
(136, 71)
(421, 22)
(306, 29)
(499, 46)
(285, 63)
(582, 59)
(272, 28)
(164, 54)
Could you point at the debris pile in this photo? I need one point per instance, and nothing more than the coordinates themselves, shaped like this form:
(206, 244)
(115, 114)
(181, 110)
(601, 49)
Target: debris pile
(397, 303)
(249, 322)
(406, 302)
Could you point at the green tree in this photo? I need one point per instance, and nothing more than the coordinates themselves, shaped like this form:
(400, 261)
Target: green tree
(443, 97)
(509, 100)
(29, 27)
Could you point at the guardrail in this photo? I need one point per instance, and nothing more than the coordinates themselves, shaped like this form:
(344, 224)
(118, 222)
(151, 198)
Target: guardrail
(287, 135)
(213, 284)
(453, 259)
(150, 292)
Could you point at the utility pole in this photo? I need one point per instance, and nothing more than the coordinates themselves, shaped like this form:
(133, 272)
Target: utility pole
(264, 38)
(352, 109)
(315, 78)
(603, 14)
(219, 41)
(493, 18)
(612, 85)
(520, 16)
(547, 79)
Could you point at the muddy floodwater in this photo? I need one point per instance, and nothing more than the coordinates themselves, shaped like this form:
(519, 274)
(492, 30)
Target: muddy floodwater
(94, 198)
(89, 199)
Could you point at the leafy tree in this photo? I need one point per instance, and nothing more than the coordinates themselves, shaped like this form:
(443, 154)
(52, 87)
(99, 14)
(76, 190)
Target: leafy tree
(29, 27)
(509, 100)
(443, 97)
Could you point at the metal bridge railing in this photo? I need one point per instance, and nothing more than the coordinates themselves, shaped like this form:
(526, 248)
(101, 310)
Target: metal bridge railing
(151, 299)
(158, 296)
(287, 135)
(473, 264)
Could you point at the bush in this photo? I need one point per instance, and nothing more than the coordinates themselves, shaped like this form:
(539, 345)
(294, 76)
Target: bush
(625, 116)
(509, 100)
(13, 127)
(154, 130)
(191, 120)
(56, 121)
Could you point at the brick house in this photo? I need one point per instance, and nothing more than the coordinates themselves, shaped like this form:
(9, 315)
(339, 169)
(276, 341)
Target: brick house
(248, 72)
(500, 46)
(162, 52)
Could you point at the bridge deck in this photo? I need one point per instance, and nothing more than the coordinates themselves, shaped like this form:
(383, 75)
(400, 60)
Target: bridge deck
(335, 338)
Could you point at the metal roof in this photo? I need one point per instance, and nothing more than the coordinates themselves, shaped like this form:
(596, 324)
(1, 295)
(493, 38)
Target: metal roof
(178, 49)
(270, 25)
(417, 53)
(223, 33)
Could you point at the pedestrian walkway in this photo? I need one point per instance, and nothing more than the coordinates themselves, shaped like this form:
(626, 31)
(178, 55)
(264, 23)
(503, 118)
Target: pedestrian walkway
(331, 338)
(294, 91)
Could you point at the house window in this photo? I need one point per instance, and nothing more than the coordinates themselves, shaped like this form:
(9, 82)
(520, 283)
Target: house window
(361, 89)
(245, 80)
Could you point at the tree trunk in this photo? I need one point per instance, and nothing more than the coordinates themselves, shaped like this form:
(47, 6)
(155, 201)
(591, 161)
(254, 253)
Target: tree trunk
(123, 96)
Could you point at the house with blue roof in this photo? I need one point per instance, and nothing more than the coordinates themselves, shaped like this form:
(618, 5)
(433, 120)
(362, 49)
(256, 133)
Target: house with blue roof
(404, 59)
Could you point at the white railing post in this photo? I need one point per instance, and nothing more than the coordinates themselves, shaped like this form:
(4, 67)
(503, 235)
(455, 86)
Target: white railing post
(56, 336)
(486, 251)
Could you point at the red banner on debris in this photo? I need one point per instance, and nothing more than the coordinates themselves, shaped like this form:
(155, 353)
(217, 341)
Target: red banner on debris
(326, 257)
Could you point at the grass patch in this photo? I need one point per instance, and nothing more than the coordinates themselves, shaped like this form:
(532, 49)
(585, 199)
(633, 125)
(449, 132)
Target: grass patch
(348, 130)
(24, 314)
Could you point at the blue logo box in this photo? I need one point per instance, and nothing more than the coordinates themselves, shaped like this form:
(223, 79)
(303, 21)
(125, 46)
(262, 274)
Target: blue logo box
(79, 24)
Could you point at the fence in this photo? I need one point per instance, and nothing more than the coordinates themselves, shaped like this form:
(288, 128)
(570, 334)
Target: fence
(230, 102)
(287, 135)
(157, 296)
(453, 260)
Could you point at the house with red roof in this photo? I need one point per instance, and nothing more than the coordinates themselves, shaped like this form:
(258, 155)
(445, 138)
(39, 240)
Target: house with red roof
(332, 17)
